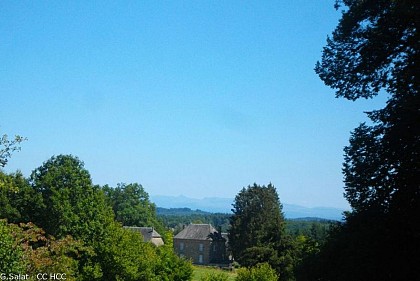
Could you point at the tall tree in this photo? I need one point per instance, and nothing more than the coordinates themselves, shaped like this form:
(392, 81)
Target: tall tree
(132, 206)
(257, 232)
(71, 205)
(375, 50)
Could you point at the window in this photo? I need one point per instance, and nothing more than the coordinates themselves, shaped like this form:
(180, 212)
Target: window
(200, 247)
(200, 259)
(181, 246)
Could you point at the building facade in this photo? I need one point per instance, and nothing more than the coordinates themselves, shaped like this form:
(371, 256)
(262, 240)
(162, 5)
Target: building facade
(201, 243)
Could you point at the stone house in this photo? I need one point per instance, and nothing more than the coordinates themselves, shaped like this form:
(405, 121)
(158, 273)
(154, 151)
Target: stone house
(149, 234)
(201, 243)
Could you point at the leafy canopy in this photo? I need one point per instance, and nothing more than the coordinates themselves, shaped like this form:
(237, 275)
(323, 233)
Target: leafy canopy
(71, 205)
(131, 205)
(375, 50)
(79, 236)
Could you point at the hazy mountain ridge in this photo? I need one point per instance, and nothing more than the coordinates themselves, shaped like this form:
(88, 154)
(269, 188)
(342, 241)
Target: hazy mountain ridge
(180, 211)
(224, 205)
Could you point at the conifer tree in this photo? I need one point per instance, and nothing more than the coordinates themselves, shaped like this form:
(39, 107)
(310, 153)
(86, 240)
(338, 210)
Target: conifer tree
(257, 232)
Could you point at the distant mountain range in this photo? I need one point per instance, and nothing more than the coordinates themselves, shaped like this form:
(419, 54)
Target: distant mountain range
(224, 205)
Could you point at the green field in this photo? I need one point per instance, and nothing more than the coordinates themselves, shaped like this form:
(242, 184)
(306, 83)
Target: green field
(200, 271)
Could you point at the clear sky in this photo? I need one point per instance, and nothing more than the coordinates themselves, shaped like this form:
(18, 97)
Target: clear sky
(198, 98)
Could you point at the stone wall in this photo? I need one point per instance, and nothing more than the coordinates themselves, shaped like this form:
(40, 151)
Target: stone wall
(196, 250)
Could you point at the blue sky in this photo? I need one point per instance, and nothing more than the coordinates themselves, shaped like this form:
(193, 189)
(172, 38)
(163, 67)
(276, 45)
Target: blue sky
(198, 98)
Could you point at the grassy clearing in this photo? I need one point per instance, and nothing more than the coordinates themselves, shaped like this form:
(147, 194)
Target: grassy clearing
(200, 271)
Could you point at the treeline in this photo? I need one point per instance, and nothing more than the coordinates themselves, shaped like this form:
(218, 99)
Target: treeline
(57, 220)
(314, 228)
(177, 218)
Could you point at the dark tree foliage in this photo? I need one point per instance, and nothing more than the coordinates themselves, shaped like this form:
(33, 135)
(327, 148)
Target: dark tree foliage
(375, 50)
(257, 232)
(315, 230)
(374, 47)
(17, 199)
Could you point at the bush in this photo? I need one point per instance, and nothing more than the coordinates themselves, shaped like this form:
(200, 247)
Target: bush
(10, 253)
(170, 267)
(215, 276)
(261, 272)
(235, 264)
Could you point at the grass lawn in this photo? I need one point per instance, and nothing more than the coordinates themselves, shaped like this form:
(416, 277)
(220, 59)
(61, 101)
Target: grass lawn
(203, 270)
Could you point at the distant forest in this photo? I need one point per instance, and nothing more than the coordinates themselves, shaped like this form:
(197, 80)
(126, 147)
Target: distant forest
(177, 218)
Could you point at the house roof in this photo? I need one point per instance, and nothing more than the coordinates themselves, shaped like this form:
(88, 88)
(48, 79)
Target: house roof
(196, 232)
(147, 232)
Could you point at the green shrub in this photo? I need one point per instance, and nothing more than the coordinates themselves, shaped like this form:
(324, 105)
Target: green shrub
(261, 272)
(215, 276)
(10, 253)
